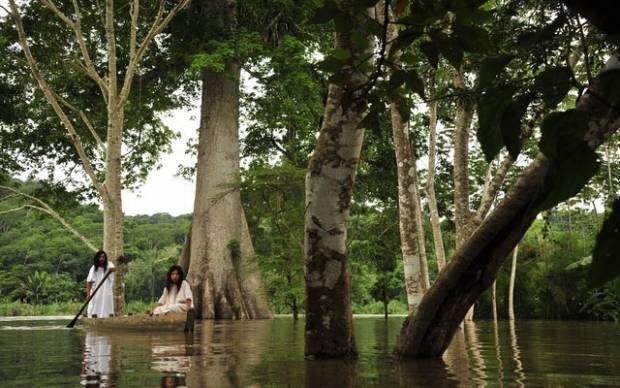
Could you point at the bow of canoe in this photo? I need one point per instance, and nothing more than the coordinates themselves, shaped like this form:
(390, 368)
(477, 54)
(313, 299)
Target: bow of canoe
(143, 322)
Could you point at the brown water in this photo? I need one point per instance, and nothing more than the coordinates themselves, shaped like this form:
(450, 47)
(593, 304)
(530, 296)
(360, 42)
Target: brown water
(42, 353)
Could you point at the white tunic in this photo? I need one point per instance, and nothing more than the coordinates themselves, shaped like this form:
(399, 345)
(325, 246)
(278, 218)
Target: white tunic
(174, 301)
(102, 304)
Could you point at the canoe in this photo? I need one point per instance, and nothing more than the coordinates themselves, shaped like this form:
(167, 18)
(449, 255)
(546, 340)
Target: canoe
(143, 322)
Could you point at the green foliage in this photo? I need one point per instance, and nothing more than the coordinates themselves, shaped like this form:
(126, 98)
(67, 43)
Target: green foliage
(605, 263)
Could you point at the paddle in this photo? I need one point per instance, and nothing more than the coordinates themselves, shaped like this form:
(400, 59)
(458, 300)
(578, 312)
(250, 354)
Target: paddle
(72, 323)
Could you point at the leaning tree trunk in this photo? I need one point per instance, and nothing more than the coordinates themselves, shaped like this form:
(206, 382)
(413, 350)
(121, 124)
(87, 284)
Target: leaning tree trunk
(440, 253)
(219, 239)
(329, 184)
(476, 264)
(511, 287)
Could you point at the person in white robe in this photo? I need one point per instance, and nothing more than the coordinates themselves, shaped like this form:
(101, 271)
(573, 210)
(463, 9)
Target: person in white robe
(102, 304)
(177, 295)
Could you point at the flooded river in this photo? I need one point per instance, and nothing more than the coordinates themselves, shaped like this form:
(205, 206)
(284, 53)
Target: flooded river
(42, 352)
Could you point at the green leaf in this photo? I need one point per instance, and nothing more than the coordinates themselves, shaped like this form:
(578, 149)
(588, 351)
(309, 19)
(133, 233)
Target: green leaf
(330, 64)
(605, 260)
(414, 82)
(472, 38)
(567, 175)
(360, 41)
(429, 49)
(450, 48)
(371, 120)
(406, 39)
(510, 124)
(491, 67)
(325, 13)
(610, 86)
(572, 162)
(553, 83)
(397, 79)
(490, 110)
(343, 22)
(532, 38)
(341, 54)
(363, 4)
(562, 131)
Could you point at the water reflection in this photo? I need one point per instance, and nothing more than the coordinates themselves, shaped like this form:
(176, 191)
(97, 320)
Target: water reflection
(270, 354)
(97, 361)
(516, 354)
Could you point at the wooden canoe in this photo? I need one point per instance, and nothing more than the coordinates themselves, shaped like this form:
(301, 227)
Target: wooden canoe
(143, 322)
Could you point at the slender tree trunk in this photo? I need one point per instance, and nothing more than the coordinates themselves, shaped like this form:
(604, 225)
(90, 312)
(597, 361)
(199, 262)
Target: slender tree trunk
(440, 253)
(475, 265)
(220, 242)
(421, 236)
(409, 214)
(113, 208)
(511, 287)
(329, 184)
(462, 212)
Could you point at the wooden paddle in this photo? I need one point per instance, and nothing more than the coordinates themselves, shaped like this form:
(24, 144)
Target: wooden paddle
(72, 323)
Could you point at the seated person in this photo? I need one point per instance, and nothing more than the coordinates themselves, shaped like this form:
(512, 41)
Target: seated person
(177, 296)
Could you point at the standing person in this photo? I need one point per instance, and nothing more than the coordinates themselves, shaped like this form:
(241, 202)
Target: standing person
(177, 295)
(102, 304)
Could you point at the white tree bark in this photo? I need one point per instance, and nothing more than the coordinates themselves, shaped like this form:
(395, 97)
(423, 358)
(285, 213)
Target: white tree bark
(440, 253)
(329, 184)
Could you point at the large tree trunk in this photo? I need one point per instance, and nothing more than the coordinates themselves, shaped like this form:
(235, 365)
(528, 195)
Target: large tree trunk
(475, 265)
(329, 184)
(113, 207)
(440, 253)
(220, 242)
(511, 287)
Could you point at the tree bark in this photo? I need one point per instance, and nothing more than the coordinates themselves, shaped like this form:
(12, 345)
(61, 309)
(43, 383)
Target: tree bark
(462, 213)
(511, 287)
(329, 184)
(409, 214)
(219, 266)
(464, 115)
(113, 207)
(440, 253)
(475, 265)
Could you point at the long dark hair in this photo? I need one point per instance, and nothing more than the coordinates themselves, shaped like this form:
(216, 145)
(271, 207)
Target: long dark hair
(105, 265)
(169, 281)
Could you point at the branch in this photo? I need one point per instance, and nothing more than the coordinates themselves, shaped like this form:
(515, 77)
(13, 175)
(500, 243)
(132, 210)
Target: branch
(158, 25)
(12, 210)
(45, 208)
(85, 119)
(76, 26)
(111, 52)
(49, 95)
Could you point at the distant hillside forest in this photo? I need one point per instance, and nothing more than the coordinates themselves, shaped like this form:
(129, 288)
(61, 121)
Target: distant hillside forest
(43, 263)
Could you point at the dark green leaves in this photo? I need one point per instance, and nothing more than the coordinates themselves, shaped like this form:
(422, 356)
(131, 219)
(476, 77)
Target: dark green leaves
(431, 52)
(325, 13)
(573, 163)
(605, 258)
(491, 67)
(553, 84)
(408, 77)
(610, 86)
(490, 109)
(510, 124)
